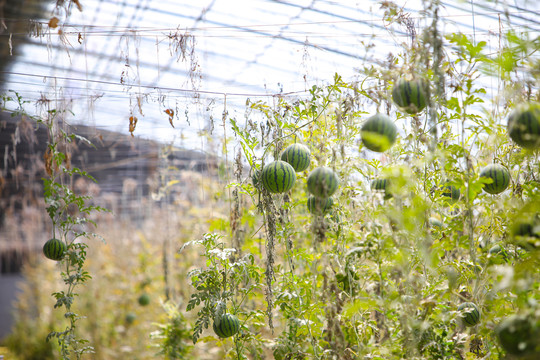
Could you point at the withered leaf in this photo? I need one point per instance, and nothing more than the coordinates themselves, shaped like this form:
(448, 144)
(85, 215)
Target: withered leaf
(53, 22)
(170, 112)
(132, 123)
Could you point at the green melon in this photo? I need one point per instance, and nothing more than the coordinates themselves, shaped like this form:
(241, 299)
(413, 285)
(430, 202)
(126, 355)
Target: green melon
(144, 299)
(500, 177)
(469, 313)
(130, 318)
(379, 133)
(322, 182)
(497, 254)
(451, 192)
(256, 178)
(435, 223)
(298, 156)
(278, 176)
(526, 233)
(409, 95)
(382, 185)
(54, 249)
(524, 125)
(319, 206)
(226, 326)
(518, 335)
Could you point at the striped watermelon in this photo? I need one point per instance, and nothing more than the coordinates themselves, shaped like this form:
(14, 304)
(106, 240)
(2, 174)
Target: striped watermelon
(298, 156)
(54, 249)
(130, 318)
(524, 125)
(497, 254)
(382, 185)
(322, 182)
(278, 176)
(256, 178)
(469, 313)
(500, 176)
(144, 299)
(379, 133)
(409, 95)
(518, 335)
(226, 326)
(319, 206)
(526, 234)
(451, 192)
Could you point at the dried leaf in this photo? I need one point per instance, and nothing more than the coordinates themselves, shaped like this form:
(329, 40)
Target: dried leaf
(170, 112)
(132, 123)
(48, 161)
(53, 22)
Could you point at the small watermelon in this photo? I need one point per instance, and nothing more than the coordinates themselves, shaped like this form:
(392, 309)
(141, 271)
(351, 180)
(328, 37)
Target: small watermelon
(524, 125)
(322, 182)
(526, 234)
(226, 326)
(130, 318)
(451, 192)
(298, 156)
(435, 223)
(497, 254)
(500, 176)
(382, 185)
(54, 249)
(144, 299)
(409, 95)
(470, 315)
(319, 206)
(518, 335)
(278, 176)
(256, 178)
(379, 133)
(523, 228)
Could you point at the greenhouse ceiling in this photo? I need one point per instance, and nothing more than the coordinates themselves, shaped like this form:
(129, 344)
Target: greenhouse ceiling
(150, 59)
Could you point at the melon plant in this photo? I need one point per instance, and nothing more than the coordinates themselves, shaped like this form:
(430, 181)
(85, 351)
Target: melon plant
(524, 125)
(54, 249)
(500, 177)
(409, 95)
(319, 206)
(278, 176)
(226, 325)
(379, 133)
(518, 335)
(382, 185)
(298, 156)
(469, 313)
(322, 182)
